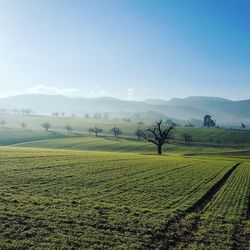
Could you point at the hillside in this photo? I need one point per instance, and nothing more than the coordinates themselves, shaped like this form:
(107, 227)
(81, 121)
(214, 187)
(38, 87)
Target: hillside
(221, 108)
(12, 132)
(122, 145)
(46, 104)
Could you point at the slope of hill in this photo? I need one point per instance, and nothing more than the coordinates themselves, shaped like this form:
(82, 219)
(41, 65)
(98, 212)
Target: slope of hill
(46, 104)
(220, 107)
(222, 110)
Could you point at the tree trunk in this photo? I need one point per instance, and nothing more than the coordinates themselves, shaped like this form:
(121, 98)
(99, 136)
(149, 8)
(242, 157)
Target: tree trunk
(159, 149)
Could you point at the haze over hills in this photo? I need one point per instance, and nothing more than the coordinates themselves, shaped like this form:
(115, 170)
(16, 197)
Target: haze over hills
(223, 110)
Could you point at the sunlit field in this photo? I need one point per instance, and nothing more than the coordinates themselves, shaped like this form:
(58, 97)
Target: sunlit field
(65, 199)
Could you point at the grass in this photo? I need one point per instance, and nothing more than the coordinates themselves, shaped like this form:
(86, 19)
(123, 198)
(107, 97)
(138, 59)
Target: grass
(69, 195)
(211, 136)
(112, 144)
(219, 225)
(223, 223)
(92, 200)
(12, 136)
(58, 123)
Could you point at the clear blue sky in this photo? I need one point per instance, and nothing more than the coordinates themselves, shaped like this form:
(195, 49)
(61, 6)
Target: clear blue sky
(126, 48)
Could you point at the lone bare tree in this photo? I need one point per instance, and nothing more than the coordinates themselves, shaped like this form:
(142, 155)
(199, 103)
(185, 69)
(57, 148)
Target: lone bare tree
(68, 128)
(158, 134)
(116, 131)
(46, 126)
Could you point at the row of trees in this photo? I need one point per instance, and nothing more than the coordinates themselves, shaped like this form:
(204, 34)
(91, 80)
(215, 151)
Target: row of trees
(115, 130)
(3, 123)
(158, 134)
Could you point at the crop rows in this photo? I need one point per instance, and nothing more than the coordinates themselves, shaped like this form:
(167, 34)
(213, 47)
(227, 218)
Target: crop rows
(224, 221)
(89, 200)
(220, 226)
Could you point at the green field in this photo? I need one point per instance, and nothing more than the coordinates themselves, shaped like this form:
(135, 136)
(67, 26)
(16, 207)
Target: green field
(9, 136)
(92, 200)
(211, 136)
(78, 191)
(112, 144)
(221, 223)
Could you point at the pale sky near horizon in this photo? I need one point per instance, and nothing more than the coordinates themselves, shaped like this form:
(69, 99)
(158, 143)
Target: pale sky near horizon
(129, 49)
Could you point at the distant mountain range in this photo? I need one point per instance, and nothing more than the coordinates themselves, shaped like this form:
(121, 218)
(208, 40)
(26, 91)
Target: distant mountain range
(182, 108)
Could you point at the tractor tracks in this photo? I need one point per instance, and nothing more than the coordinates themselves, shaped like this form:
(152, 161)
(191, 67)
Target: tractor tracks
(184, 224)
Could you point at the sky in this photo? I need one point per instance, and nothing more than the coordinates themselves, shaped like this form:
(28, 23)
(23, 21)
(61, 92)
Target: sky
(128, 49)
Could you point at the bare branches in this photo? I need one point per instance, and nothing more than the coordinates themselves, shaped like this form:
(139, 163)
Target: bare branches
(157, 135)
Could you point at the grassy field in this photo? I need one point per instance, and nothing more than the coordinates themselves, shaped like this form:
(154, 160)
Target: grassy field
(215, 136)
(77, 191)
(92, 200)
(10, 136)
(112, 144)
(221, 223)
(58, 123)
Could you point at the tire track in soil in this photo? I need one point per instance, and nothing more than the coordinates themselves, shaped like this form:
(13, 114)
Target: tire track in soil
(177, 230)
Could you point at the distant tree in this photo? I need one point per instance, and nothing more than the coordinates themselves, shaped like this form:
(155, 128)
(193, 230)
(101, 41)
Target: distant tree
(46, 126)
(139, 133)
(97, 116)
(158, 134)
(188, 138)
(189, 125)
(209, 122)
(56, 114)
(62, 114)
(116, 131)
(2, 123)
(23, 125)
(95, 130)
(26, 111)
(243, 125)
(170, 122)
(86, 116)
(68, 128)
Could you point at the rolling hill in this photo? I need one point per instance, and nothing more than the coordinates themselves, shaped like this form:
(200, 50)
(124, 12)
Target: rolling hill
(223, 110)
